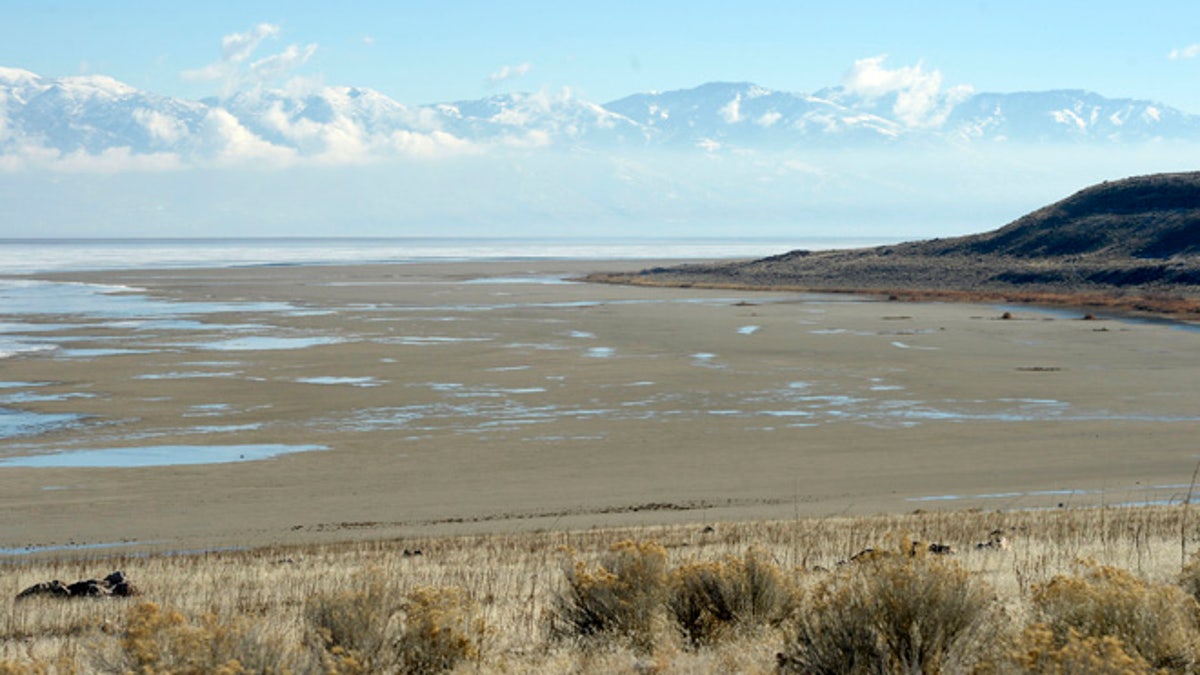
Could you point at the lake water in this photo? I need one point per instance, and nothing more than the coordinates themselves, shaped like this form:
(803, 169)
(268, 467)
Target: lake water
(26, 256)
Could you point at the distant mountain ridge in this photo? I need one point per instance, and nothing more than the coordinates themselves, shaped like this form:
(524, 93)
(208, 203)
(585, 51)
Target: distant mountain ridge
(92, 115)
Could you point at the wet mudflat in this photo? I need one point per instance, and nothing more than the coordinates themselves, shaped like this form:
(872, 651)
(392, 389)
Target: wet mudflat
(183, 407)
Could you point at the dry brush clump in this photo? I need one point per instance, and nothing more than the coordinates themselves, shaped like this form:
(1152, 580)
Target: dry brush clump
(709, 600)
(896, 611)
(158, 640)
(350, 626)
(1157, 622)
(1040, 652)
(1189, 577)
(439, 630)
(373, 628)
(621, 597)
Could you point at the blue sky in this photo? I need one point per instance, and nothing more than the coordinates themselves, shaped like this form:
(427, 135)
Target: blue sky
(429, 52)
(423, 52)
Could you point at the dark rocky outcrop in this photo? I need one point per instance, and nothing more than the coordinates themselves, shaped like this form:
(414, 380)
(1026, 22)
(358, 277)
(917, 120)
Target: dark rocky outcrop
(113, 585)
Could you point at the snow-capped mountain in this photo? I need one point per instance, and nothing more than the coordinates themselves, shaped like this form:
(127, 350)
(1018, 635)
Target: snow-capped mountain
(540, 118)
(92, 115)
(1067, 115)
(745, 114)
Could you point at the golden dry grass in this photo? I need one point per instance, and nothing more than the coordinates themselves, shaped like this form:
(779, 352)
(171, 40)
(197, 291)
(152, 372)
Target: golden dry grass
(490, 604)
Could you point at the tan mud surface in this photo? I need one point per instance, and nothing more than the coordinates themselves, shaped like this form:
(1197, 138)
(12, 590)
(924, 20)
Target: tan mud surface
(457, 397)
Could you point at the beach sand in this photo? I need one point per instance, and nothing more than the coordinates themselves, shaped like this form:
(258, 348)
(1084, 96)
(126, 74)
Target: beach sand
(493, 397)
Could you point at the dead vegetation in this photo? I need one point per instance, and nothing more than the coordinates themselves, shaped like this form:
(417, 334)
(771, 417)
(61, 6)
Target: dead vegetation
(1075, 590)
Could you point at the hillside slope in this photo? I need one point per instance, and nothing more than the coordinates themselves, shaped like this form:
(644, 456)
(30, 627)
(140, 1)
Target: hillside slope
(1134, 241)
(1144, 217)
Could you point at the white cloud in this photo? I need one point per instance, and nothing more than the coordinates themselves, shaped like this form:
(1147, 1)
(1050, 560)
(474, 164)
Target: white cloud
(237, 47)
(732, 112)
(534, 138)
(768, 119)
(236, 72)
(277, 66)
(112, 160)
(920, 100)
(227, 142)
(436, 144)
(339, 141)
(162, 128)
(116, 160)
(510, 72)
(26, 155)
(1188, 52)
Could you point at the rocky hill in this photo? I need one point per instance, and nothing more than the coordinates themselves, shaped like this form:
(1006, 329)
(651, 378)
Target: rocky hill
(1145, 217)
(1132, 243)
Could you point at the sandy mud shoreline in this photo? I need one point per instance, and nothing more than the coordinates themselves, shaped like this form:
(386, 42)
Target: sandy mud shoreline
(492, 397)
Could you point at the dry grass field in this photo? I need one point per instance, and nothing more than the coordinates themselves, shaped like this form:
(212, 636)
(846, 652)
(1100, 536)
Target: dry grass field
(1074, 590)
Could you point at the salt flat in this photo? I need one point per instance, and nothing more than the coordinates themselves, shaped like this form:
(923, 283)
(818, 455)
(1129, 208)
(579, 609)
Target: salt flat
(335, 402)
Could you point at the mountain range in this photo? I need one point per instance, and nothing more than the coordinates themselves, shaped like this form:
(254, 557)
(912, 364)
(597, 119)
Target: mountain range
(95, 115)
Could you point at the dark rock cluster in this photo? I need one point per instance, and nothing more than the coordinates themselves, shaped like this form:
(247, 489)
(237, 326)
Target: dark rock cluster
(113, 585)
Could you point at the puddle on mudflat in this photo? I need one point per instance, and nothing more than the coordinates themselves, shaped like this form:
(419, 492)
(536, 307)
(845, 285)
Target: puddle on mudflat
(264, 343)
(23, 385)
(156, 455)
(13, 347)
(422, 340)
(186, 375)
(35, 397)
(537, 346)
(96, 353)
(208, 410)
(28, 327)
(352, 381)
(456, 390)
(748, 330)
(219, 428)
(15, 423)
(1014, 495)
(600, 352)
(570, 304)
(35, 297)
(182, 324)
(30, 550)
(541, 279)
(905, 345)
(840, 331)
